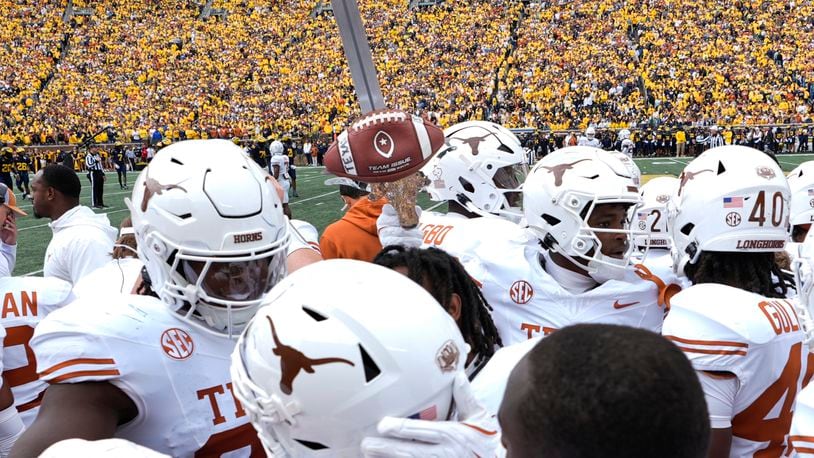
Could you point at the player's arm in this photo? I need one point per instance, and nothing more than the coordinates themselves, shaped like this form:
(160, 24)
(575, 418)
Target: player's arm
(87, 410)
(275, 167)
(719, 390)
(11, 425)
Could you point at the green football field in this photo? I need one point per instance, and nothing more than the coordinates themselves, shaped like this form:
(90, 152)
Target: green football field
(318, 204)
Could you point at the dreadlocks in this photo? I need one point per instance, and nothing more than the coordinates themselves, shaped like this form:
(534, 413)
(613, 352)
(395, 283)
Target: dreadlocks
(755, 272)
(442, 275)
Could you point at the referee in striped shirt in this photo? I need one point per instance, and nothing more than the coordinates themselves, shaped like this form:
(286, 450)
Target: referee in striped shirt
(93, 162)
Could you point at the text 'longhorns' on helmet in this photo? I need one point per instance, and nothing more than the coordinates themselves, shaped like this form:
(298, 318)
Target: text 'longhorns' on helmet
(732, 199)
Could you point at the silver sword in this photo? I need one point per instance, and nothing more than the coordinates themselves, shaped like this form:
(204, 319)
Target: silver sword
(403, 193)
(357, 51)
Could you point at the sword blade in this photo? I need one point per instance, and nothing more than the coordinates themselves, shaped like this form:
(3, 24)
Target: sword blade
(357, 51)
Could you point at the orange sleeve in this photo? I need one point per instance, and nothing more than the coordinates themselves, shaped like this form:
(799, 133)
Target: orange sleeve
(327, 246)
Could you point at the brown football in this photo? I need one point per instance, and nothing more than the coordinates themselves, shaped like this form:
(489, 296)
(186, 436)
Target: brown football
(383, 146)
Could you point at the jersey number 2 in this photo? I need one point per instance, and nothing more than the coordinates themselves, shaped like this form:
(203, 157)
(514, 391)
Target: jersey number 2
(752, 424)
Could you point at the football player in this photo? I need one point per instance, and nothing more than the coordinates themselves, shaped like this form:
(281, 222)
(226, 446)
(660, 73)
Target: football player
(446, 279)
(744, 339)
(278, 167)
(321, 369)
(22, 165)
(801, 209)
(119, 158)
(625, 144)
(478, 172)
(640, 396)
(589, 139)
(654, 246)
(577, 202)
(27, 301)
(153, 368)
(801, 435)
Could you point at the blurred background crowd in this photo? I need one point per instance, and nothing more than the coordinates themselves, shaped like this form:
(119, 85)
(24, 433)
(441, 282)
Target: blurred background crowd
(180, 69)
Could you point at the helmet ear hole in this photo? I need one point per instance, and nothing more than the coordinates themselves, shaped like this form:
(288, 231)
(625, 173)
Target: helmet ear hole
(550, 219)
(466, 185)
(371, 369)
(311, 445)
(687, 228)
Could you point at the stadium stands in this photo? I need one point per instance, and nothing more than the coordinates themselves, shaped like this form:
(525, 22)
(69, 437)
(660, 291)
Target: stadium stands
(275, 67)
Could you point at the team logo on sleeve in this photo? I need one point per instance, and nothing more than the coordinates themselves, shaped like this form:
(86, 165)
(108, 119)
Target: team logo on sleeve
(177, 344)
(521, 292)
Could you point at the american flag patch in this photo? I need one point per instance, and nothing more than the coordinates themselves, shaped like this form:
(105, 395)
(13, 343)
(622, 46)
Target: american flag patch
(642, 216)
(430, 414)
(811, 193)
(733, 202)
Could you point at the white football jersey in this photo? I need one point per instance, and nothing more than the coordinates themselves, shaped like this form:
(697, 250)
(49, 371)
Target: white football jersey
(118, 276)
(801, 437)
(592, 142)
(176, 374)
(26, 302)
(436, 227)
(657, 259)
(490, 383)
(281, 161)
(760, 341)
(628, 146)
(527, 302)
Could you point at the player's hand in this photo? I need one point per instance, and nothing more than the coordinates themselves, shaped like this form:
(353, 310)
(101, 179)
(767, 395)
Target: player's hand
(474, 434)
(8, 233)
(391, 232)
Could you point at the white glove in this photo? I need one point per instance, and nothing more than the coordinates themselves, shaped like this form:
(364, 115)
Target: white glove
(391, 232)
(476, 432)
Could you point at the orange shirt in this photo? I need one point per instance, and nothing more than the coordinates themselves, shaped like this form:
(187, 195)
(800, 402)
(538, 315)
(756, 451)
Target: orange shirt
(354, 236)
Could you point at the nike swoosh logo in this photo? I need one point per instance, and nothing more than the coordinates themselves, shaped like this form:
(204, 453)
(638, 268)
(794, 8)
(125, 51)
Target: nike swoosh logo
(618, 305)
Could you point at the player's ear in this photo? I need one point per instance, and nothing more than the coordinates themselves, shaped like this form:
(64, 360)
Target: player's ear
(454, 307)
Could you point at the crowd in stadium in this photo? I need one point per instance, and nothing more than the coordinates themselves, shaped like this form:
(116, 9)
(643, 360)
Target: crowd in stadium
(555, 65)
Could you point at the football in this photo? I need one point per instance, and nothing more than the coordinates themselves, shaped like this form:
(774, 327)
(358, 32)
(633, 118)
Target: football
(383, 146)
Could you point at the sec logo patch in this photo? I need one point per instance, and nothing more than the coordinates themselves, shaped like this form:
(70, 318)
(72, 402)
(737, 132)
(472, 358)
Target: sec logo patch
(521, 292)
(177, 344)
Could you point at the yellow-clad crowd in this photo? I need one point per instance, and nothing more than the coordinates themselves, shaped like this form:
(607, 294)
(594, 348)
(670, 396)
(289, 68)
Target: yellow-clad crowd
(274, 67)
(624, 63)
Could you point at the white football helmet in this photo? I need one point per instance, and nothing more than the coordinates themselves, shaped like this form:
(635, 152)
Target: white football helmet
(652, 216)
(732, 199)
(318, 368)
(563, 190)
(276, 148)
(803, 268)
(590, 132)
(481, 166)
(801, 184)
(630, 165)
(210, 231)
(624, 134)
